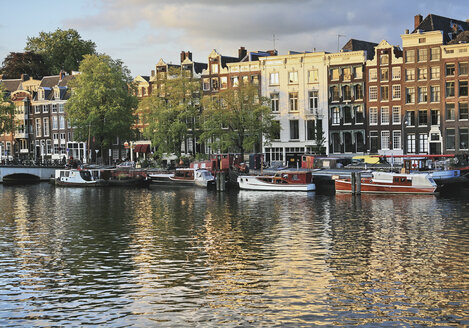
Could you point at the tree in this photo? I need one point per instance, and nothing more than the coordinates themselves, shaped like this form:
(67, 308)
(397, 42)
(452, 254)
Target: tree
(17, 63)
(7, 113)
(172, 112)
(102, 103)
(62, 50)
(238, 119)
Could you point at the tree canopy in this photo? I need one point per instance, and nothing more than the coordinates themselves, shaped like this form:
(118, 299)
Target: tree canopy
(17, 63)
(61, 50)
(7, 113)
(237, 120)
(172, 112)
(102, 103)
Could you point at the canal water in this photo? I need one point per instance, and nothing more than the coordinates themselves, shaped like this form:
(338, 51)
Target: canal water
(185, 257)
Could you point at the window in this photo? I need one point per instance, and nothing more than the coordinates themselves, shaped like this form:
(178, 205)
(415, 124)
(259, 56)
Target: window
(435, 93)
(422, 73)
(384, 115)
(411, 143)
(214, 82)
(348, 117)
(385, 140)
(38, 127)
(373, 95)
(450, 112)
(274, 101)
(422, 55)
(423, 117)
(273, 80)
(293, 101)
(206, 84)
(463, 138)
(255, 79)
(463, 111)
(313, 76)
(449, 89)
(358, 72)
(373, 116)
(214, 68)
(45, 109)
(46, 126)
(409, 74)
(294, 130)
(410, 118)
(37, 109)
(373, 74)
(335, 115)
(358, 91)
(463, 69)
(409, 95)
(384, 59)
(396, 115)
(373, 141)
(313, 100)
(359, 115)
(462, 88)
(334, 74)
(422, 40)
(55, 123)
(347, 71)
(335, 93)
(234, 81)
(61, 122)
(423, 143)
(450, 139)
(293, 77)
(435, 72)
(54, 108)
(396, 73)
(384, 76)
(422, 94)
(450, 69)
(410, 56)
(435, 54)
(396, 139)
(223, 82)
(435, 116)
(396, 91)
(347, 93)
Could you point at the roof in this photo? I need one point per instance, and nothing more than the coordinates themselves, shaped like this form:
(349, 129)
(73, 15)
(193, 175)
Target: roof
(11, 84)
(49, 81)
(66, 79)
(449, 26)
(356, 45)
(199, 67)
(462, 37)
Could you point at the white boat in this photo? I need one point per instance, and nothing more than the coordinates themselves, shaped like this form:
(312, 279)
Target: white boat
(78, 178)
(281, 181)
(189, 176)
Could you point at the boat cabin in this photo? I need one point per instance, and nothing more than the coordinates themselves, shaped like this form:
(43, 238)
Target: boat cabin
(293, 177)
(186, 174)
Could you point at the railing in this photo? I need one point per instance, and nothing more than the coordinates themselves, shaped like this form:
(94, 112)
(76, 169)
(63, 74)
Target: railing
(32, 163)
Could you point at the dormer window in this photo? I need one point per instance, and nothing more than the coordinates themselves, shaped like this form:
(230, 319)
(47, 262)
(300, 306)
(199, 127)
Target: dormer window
(41, 94)
(57, 93)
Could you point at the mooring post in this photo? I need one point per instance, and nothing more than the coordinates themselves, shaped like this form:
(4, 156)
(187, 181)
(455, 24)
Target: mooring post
(353, 181)
(359, 183)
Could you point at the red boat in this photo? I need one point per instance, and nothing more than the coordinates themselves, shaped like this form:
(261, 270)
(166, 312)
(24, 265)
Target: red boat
(388, 182)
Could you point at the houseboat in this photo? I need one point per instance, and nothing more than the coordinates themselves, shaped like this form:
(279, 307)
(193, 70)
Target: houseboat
(389, 182)
(280, 181)
(78, 178)
(184, 176)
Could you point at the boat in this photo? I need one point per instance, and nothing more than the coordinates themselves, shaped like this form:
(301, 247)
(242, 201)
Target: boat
(280, 181)
(78, 178)
(184, 176)
(390, 182)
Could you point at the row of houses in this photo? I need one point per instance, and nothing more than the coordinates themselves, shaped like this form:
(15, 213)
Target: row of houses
(42, 132)
(374, 98)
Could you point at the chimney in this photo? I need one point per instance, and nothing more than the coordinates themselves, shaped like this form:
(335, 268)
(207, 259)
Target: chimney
(242, 53)
(183, 56)
(406, 31)
(152, 72)
(417, 21)
(189, 55)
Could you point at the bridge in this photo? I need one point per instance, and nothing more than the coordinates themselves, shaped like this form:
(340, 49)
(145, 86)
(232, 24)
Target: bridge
(27, 173)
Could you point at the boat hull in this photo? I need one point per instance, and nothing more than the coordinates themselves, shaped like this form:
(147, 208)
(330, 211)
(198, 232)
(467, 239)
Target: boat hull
(343, 185)
(253, 183)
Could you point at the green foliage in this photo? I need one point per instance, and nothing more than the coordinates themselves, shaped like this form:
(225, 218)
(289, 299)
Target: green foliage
(62, 49)
(237, 120)
(17, 63)
(172, 112)
(102, 103)
(7, 113)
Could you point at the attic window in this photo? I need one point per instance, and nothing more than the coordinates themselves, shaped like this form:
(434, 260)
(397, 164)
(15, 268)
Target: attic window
(450, 51)
(422, 40)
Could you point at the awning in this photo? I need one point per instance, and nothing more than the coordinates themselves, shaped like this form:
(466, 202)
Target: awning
(142, 148)
(137, 148)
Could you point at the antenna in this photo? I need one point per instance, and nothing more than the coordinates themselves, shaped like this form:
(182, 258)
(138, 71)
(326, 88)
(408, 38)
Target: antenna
(273, 39)
(338, 38)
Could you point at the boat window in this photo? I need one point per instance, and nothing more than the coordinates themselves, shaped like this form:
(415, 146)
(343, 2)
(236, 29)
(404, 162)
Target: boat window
(403, 179)
(295, 177)
(85, 175)
(396, 179)
(67, 174)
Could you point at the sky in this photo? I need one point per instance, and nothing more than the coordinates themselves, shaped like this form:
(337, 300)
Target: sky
(141, 32)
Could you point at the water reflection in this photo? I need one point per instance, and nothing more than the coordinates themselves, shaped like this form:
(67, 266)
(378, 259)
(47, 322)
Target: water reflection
(187, 256)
